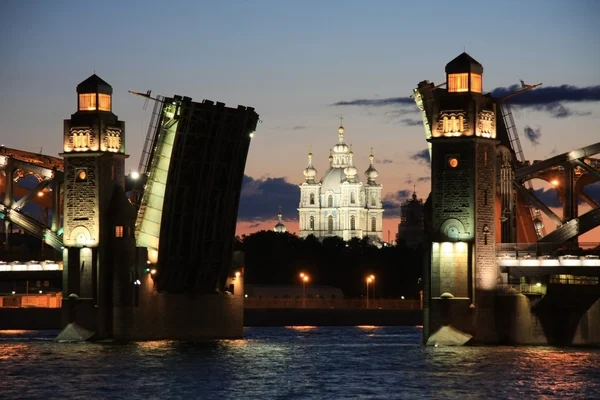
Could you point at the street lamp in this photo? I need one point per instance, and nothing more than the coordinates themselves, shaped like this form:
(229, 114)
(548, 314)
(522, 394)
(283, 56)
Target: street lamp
(369, 280)
(373, 280)
(304, 278)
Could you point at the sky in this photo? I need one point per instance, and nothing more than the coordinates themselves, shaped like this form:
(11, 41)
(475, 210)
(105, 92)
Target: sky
(301, 65)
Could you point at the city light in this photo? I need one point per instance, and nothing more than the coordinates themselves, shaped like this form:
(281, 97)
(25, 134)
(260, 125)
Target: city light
(304, 278)
(237, 274)
(40, 292)
(40, 194)
(135, 175)
(251, 135)
(152, 271)
(554, 182)
(13, 292)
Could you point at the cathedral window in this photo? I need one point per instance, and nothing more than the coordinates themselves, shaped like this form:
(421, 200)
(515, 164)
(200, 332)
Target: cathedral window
(373, 200)
(352, 198)
(87, 102)
(353, 223)
(312, 223)
(104, 102)
(312, 198)
(330, 224)
(373, 224)
(330, 201)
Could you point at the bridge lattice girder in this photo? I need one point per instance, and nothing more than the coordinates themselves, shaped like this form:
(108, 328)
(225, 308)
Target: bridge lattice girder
(573, 171)
(16, 164)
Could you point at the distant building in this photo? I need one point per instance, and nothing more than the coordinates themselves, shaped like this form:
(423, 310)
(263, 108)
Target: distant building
(411, 228)
(340, 204)
(280, 227)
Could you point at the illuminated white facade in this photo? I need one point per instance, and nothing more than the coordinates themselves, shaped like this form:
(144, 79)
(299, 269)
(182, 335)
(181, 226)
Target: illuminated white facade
(340, 204)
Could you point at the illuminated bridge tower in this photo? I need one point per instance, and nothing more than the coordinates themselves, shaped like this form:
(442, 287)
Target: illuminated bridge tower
(463, 272)
(99, 243)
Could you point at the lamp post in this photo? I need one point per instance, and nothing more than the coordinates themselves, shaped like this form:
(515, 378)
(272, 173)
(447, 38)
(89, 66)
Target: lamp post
(369, 280)
(373, 281)
(304, 277)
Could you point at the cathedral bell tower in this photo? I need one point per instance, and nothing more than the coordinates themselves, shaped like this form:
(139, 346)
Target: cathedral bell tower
(463, 272)
(98, 221)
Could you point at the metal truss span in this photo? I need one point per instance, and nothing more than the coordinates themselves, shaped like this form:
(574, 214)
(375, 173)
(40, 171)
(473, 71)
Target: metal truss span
(32, 226)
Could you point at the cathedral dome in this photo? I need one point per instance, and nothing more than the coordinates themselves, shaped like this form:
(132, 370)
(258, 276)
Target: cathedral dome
(332, 180)
(371, 173)
(310, 172)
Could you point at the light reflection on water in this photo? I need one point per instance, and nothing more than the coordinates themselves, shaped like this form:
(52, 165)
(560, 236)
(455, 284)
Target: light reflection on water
(292, 362)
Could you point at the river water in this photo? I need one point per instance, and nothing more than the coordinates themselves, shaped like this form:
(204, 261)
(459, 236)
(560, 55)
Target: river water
(292, 363)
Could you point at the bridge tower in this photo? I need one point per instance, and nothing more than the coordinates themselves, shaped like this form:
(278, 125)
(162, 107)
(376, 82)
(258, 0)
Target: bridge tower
(462, 274)
(99, 244)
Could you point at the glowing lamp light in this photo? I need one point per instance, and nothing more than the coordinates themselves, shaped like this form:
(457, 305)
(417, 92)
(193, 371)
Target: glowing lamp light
(237, 274)
(538, 284)
(152, 271)
(13, 292)
(305, 278)
(554, 182)
(135, 175)
(402, 297)
(246, 296)
(251, 135)
(40, 194)
(40, 292)
(453, 162)
(369, 279)
(147, 270)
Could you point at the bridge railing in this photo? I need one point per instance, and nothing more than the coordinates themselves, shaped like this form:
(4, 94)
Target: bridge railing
(524, 288)
(553, 250)
(322, 303)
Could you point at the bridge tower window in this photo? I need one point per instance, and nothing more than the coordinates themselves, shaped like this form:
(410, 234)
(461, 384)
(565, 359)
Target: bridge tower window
(119, 231)
(312, 198)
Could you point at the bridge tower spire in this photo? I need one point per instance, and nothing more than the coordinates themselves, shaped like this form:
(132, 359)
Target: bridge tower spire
(463, 272)
(99, 245)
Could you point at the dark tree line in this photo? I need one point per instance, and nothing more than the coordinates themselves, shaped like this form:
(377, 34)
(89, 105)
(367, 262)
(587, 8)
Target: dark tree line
(278, 258)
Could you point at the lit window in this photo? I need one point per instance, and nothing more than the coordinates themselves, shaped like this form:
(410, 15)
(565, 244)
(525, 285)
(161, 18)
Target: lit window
(476, 83)
(81, 176)
(119, 231)
(458, 82)
(87, 102)
(312, 198)
(81, 140)
(113, 141)
(312, 223)
(104, 102)
(352, 223)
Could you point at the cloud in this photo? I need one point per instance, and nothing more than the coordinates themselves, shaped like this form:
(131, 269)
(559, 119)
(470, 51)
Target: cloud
(424, 179)
(549, 98)
(392, 201)
(299, 127)
(377, 102)
(550, 196)
(543, 98)
(533, 135)
(386, 161)
(411, 122)
(261, 199)
(421, 156)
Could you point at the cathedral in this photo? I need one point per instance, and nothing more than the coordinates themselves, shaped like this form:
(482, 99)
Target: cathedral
(340, 204)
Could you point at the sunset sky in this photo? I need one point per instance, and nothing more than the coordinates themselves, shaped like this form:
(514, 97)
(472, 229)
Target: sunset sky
(302, 64)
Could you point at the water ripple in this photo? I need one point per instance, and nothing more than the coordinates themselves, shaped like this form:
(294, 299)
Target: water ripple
(292, 363)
